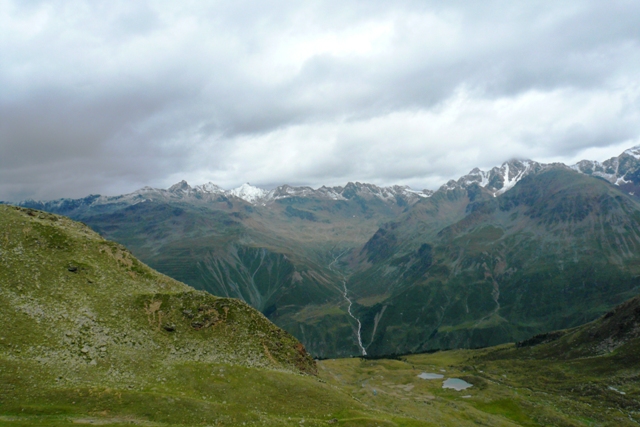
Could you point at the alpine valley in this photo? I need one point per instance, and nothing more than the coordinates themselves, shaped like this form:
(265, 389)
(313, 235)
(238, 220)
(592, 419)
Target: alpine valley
(496, 256)
(92, 336)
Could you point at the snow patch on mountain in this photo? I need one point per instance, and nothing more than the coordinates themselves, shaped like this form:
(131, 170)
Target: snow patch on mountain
(621, 170)
(621, 181)
(420, 193)
(633, 152)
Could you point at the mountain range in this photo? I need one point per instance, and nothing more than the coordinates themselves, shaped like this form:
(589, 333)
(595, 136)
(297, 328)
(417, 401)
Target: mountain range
(208, 193)
(492, 257)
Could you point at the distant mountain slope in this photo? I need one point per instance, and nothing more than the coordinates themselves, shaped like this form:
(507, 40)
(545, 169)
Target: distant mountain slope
(557, 250)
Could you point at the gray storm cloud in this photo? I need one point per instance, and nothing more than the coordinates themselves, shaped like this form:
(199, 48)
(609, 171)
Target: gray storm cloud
(106, 97)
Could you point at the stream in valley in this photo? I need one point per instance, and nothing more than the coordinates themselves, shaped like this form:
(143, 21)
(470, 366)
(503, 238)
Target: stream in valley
(346, 297)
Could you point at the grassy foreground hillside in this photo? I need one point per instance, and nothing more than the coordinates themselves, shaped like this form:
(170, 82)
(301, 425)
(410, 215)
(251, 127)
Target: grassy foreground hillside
(89, 331)
(92, 336)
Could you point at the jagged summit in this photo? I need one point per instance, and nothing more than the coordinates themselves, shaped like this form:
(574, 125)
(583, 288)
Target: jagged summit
(209, 187)
(181, 187)
(497, 180)
(622, 171)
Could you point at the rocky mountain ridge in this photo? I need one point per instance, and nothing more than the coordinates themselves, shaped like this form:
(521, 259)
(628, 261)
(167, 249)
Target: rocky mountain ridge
(497, 180)
(623, 171)
(248, 193)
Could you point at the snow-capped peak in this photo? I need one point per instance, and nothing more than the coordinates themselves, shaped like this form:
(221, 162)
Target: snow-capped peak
(510, 180)
(498, 180)
(248, 192)
(620, 171)
(476, 176)
(209, 187)
(634, 152)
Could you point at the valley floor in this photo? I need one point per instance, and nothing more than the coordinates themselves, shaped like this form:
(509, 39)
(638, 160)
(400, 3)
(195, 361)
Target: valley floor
(508, 390)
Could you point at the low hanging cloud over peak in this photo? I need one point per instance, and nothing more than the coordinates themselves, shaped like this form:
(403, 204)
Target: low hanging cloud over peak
(106, 97)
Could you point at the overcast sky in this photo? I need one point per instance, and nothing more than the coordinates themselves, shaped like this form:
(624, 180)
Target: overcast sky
(109, 96)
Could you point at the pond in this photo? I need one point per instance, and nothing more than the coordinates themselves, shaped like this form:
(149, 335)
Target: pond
(456, 384)
(430, 376)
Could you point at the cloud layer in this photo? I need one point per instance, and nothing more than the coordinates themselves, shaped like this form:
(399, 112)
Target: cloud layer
(106, 97)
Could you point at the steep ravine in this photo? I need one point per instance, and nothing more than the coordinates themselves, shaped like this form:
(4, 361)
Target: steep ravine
(346, 297)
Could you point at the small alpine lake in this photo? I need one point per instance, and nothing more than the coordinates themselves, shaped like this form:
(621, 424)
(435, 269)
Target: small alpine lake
(456, 383)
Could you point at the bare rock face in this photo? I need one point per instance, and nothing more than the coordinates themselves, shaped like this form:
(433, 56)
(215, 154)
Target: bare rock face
(615, 328)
